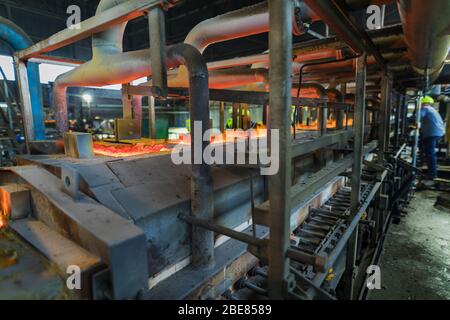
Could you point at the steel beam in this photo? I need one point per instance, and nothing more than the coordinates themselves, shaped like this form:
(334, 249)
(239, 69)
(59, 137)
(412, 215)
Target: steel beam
(280, 42)
(358, 127)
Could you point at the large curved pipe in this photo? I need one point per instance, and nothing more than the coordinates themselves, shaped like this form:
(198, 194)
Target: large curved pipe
(110, 66)
(106, 47)
(227, 78)
(17, 39)
(202, 197)
(241, 23)
(425, 25)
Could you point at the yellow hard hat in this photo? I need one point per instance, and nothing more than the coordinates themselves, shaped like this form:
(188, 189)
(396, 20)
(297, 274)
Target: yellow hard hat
(427, 100)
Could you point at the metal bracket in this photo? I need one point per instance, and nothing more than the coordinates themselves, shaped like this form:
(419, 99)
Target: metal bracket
(70, 179)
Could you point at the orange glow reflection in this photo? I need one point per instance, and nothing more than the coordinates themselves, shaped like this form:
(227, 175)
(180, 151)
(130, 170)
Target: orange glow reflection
(5, 208)
(117, 150)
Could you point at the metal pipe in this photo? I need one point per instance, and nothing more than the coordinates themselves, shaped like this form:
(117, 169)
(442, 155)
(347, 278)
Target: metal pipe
(110, 66)
(105, 44)
(157, 31)
(280, 45)
(233, 234)
(17, 39)
(335, 16)
(425, 27)
(202, 192)
(241, 23)
(383, 114)
(221, 79)
(415, 147)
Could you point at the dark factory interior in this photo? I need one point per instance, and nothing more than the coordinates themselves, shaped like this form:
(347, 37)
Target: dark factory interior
(224, 150)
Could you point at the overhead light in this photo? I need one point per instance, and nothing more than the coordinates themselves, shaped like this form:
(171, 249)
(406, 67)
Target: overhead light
(87, 98)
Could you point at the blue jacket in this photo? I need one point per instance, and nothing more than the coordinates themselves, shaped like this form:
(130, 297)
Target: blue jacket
(431, 121)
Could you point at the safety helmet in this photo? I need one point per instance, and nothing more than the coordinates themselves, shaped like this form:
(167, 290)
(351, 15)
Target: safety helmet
(427, 100)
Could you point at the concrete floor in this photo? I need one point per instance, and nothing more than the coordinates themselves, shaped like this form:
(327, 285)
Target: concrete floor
(415, 263)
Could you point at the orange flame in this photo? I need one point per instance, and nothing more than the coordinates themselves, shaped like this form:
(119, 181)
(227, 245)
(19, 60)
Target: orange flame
(5, 209)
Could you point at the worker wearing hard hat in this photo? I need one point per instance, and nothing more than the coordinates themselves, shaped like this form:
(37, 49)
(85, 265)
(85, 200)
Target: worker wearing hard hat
(432, 130)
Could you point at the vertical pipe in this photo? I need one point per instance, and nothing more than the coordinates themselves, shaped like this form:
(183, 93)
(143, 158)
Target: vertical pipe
(340, 111)
(18, 40)
(417, 131)
(323, 116)
(358, 144)
(280, 46)
(151, 118)
(404, 116)
(222, 116)
(157, 27)
(25, 99)
(382, 130)
(397, 119)
(136, 105)
(202, 193)
(388, 113)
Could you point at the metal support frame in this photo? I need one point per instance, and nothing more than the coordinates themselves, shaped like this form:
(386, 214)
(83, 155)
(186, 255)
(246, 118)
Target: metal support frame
(323, 116)
(383, 130)
(358, 127)
(151, 117)
(25, 98)
(280, 42)
(397, 119)
(126, 11)
(415, 148)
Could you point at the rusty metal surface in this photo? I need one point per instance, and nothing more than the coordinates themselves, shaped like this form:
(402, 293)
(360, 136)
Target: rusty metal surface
(151, 192)
(61, 251)
(31, 276)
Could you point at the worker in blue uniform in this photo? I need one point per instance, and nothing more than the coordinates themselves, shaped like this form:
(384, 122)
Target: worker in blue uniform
(431, 130)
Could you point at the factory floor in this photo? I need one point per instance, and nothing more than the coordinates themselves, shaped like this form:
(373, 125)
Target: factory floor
(415, 263)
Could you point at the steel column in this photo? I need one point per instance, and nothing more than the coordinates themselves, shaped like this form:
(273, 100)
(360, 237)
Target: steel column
(388, 113)
(280, 43)
(358, 144)
(382, 129)
(151, 118)
(222, 117)
(25, 101)
(157, 27)
(417, 131)
(397, 120)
